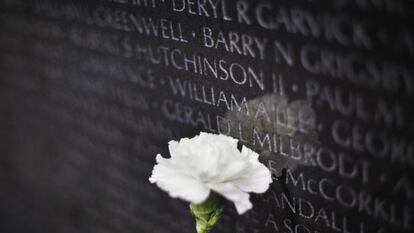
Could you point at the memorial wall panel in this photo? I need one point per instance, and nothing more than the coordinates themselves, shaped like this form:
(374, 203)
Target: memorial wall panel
(91, 91)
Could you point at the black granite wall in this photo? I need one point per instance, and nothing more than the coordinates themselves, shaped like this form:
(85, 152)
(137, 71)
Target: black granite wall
(91, 91)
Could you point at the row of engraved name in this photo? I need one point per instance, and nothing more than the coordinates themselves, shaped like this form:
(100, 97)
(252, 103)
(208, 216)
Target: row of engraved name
(294, 20)
(315, 60)
(370, 73)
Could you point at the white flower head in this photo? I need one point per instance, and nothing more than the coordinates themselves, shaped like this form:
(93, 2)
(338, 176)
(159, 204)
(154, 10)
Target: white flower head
(211, 162)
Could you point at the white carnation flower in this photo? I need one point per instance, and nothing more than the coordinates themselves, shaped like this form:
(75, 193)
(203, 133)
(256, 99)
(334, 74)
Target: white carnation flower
(211, 162)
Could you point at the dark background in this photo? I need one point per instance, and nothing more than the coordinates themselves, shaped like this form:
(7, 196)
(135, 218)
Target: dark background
(80, 122)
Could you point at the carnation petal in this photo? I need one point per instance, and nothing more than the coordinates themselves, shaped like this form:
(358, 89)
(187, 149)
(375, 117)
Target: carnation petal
(181, 148)
(227, 139)
(257, 180)
(168, 178)
(249, 153)
(234, 194)
(173, 148)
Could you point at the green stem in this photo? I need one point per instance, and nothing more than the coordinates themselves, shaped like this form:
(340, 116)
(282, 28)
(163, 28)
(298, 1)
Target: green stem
(207, 213)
